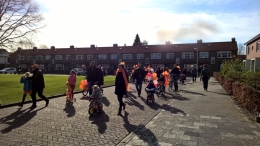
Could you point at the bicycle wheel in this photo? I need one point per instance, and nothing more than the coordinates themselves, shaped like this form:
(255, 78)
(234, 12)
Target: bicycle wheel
(84, 92)
(91, 110)
(170, 86)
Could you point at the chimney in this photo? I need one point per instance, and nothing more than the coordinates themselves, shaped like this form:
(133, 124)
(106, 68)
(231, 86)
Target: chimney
(233, 39)
(92, 46)
(34, 48)
(115, 45)
(53, 47)
(71, 47)
(19, 49)
(199, 41)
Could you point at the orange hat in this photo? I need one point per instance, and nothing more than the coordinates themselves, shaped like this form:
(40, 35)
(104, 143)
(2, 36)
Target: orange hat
(35, 66)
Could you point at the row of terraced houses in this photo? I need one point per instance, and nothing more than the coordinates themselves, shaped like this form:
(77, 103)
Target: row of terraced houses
(62, 60)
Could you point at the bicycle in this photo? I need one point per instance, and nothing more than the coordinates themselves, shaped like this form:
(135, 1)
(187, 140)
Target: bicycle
(150, 95)
(93, 107)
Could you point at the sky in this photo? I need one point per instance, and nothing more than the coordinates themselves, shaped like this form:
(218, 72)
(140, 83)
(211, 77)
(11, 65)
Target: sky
(106, 22)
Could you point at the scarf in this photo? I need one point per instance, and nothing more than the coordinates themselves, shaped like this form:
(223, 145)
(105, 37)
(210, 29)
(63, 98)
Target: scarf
(125, 79)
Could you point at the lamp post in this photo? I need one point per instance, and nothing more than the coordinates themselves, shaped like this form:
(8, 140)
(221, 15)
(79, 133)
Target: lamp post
(197, 60)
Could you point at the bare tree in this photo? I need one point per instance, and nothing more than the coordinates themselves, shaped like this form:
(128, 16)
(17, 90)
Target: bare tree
(145, 42)
(19, 21)
(42, 46)
(168, 42)
(241, 49)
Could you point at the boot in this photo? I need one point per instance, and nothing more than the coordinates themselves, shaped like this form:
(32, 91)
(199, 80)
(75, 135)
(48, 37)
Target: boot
(119, 111)
(124, 106)
(21, 105)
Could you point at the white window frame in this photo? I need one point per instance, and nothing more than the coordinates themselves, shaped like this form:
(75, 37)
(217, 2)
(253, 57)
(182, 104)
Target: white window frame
(23, 65)
(155, 56)
(79, 57)
(59, 66)
(89, 57)
(104, 65)
(21, 58)
(258, 47)
(140, 56)
(212, 60)
(127, 56)
(102, 57)
(39, 57)
(154, 66)
(229, 54)
(48, 57)
(68, 57)
(177, 60)
(169, 55)
(58, 57)
(204, 54)
(185, 54)
(41, 66)
(113, 56)
(29, 57)
(146, 60)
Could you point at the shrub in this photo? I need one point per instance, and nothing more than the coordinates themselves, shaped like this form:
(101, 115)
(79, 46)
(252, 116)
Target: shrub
(227, 85)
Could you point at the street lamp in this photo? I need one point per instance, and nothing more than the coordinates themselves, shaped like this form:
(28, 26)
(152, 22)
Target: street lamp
(197, 60)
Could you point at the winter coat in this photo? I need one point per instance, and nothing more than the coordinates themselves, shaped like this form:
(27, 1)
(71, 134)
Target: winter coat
(27, 84)
(120, 87)
(93, 74)
(37, 79)
(175, 72)
(194, 71)
(101, 77)
(139, 74)
(205, 73)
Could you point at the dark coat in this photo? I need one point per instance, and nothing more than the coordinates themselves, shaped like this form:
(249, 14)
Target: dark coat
(101, 77)
(93, 74)
(120, 88)
(37, 79)
(139, 74)
(159, 72)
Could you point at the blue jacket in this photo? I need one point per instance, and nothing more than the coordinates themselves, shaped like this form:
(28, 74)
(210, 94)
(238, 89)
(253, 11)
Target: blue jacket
(27, 84)
(175, 72)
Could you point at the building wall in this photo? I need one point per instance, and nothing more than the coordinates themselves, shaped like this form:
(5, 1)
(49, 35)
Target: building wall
(251, 50)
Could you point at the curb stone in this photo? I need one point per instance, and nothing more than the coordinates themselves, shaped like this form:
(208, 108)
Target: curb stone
(50, 97)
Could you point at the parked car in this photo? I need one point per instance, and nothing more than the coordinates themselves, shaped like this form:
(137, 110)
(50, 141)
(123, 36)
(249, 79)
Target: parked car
(79, 71)
(8, 70)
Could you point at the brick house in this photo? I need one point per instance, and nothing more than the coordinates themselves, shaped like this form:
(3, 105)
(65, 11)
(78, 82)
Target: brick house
(62, 60)
(3, 58)
(253, 53)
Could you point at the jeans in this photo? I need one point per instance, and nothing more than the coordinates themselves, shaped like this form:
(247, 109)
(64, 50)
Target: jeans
(34, 91)
(120, 100)
(205, 82)
(90, 84)
(175, 82)
(138, 86)
(194, 77)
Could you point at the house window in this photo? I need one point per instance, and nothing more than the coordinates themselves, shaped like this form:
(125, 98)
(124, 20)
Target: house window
(224, 54)
(23, 65)
(58, 57)
(140, 56)
(41, 66)
(89, 57)
(21, 58)
(128, 66)
(248, 50)
(48, 57)
(79, 57)
(169, 55)
(187, 55)
(154, 66)
(258, 47)
(113, 56)
(68, 57)
(127, 56)
(146, 60)
(177, 60)
(212, 60)
(59, 66)
(155, 55)
(104, 65)
(102, 56)
(204, 54)
(39, 57)
(29, 57)
(79, 65)
(73, 61)
(171, 66)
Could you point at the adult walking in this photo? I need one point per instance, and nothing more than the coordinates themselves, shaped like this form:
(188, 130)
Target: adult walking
(158, 72)
(205, 75)
(139, 75)
(37, 85)
(101, 78)
(194, 74)
(121, 86)
(175, 73)
(199, 71)
(92, 76)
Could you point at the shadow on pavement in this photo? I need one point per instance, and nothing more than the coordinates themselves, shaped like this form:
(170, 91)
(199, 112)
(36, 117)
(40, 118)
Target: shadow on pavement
(70, 109)
(18, 119)
(100, 121)
(217, 92)
(141, 131)
(105, 101)
(185, 91)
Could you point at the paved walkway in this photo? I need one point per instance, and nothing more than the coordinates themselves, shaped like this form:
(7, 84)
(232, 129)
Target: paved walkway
(197, 118)
(61, 124)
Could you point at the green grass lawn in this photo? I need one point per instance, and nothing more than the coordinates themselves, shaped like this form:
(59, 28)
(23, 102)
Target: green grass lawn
(11, 90)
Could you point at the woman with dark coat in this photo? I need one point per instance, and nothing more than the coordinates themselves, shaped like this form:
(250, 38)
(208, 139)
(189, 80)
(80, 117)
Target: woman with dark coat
(101, 78)
(121, 86)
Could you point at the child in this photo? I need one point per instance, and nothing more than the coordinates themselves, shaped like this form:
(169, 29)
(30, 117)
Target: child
(27, 87)
(161, 81)
(96, 93)
(150, 86)
(72, 81)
